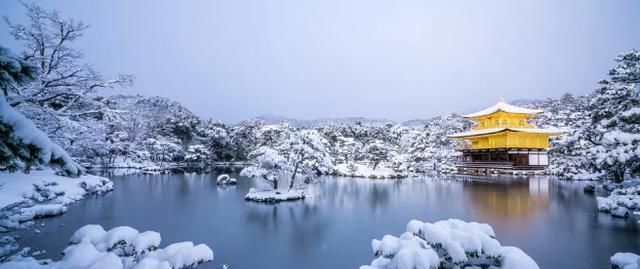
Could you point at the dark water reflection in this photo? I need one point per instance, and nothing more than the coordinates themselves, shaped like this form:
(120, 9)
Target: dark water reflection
(551, 220)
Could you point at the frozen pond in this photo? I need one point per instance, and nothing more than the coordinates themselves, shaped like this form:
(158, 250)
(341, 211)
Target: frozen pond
(552, 221)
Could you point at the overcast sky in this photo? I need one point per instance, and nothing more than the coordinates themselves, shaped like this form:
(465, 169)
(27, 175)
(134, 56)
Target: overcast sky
(235, 59)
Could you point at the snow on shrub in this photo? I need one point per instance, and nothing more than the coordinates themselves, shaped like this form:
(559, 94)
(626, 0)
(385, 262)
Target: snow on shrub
(625, 260)
(446, 244)
(620, 201)
(224, 179)
(119, 248)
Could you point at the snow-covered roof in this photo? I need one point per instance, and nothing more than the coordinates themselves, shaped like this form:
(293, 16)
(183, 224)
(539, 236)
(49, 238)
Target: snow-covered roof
(501, 129)
(502, 106)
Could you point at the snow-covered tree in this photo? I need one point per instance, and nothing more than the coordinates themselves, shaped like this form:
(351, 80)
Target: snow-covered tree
(308, 156)
(266, 164)
(303, 154)
(197, 154)
(431, 145)
(243, 138)
(63, 98)
(376, 152)
(23, 145)
(164, 150)
(567, 152)
(615, 127)
(215, 136)
(62, 79)
(14, 71)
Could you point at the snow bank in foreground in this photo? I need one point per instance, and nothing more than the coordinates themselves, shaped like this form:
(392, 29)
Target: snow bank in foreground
(274, 196)
(620, 202)
(42, 193)
(625, 261)
(119, 248)
(446, 244)
(224, 179)
(361, 170)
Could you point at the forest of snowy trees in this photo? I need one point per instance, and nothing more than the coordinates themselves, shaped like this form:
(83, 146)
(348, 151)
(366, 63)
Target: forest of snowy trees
(67, 101)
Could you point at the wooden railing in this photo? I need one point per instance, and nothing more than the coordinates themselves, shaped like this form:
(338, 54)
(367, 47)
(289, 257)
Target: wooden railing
(498, 165)
(486, 164)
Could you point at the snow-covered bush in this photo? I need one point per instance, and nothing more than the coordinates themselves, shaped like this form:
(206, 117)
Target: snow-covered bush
(621, 201)
(122, 247)
(446, 244)
(225, 179)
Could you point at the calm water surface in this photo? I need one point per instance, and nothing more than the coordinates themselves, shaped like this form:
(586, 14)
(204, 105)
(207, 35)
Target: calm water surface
(551, 220)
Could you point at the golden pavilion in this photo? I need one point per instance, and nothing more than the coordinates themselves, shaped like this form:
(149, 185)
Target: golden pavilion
(504, 140)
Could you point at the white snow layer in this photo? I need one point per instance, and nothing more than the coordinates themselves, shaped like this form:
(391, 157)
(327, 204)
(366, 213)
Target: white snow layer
(625, 260)
(620, 201)
(28, 133)
(446, 244)
(119, 248)
(361, 170)
(274, 196)
(502, 106)
(42, 193)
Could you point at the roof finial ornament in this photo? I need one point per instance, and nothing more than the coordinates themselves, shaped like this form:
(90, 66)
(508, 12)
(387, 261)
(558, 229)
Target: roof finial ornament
(502, 99)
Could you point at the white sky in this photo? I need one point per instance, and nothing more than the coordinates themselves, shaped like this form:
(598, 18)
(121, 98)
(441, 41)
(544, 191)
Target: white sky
(235, 59)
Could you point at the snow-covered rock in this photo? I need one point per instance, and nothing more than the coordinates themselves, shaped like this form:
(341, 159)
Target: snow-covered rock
(42, 193)
(274, 196)
(625, 260)
(119, 248)
(446, 244)
(225, 179)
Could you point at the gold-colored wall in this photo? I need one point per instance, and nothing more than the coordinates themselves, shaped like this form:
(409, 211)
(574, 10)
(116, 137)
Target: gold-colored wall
(502, 119)
(509, 140)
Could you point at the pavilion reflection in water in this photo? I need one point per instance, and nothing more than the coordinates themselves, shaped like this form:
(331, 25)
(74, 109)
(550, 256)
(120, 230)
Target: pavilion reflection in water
(509, 199)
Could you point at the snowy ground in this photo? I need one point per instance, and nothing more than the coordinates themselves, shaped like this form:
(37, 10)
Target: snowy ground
(361, 170)
(446, 244)
(274, 196)
(42, 193)
(119, 248)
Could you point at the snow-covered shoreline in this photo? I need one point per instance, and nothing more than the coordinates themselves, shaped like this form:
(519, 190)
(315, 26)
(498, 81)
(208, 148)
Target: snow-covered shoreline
(364, 171)
(42, 193)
